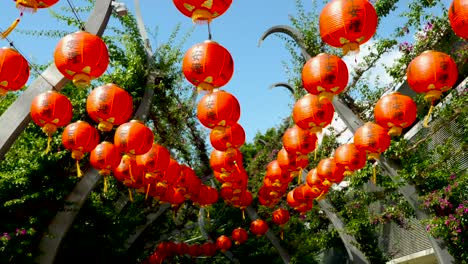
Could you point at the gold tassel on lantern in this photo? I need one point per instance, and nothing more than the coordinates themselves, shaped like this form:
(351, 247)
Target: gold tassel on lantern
(374, 173)
(10, 28)
(106, 183)
(130, 196)
(426, 119)
(147, 192)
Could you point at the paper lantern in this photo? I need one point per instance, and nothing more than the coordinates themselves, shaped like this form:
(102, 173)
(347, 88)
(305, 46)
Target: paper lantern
(239, 235)
(109, 105)
(14, 70)
(395, 112)
(223, 243)
(309, 113)
(219, 108)
(458, 17)
(325, 75)
(329, 171)
(372, 139)
(291, 162)
(350, 158)
(133, 138)
(202, 11)
(227, 138)
(81, 57)
(105, 157)
(347, 24)
(258, 227)
(226, 162)
(298, 141)
(208, 65)
(209, 249)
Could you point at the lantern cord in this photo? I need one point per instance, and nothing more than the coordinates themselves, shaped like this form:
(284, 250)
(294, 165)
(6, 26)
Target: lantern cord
(49, 140)
(106, 183)
(130, 196)
(426, 119)
(147, 192)
(73, 8)
(78, 170)
(209, 31)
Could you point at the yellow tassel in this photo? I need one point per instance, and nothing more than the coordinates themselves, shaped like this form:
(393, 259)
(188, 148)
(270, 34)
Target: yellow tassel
(27, 5)
(10, 28)
(106, 183)
(243, 214)
(374, 173)
(49, 140)
(130, 196)
(299, 176)
(282, 234)
(147, 191)
(315, 154)
(426, 119)
(78, 170)
(207, 214)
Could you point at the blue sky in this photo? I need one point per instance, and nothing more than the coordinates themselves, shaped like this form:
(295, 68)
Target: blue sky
(238, 30)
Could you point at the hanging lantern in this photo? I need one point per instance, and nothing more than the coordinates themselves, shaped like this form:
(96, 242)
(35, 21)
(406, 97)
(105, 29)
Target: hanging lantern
(303, 194)
(188, 182)
(208, 65)
(291, 201)
(130, 174)
(226, 162)
(171, 174)
(350, 158)
(202, 11)
(81, 57)
(181, 248)
(329, 172)
(373, 139)
(395, 111)
(325, 75)
(347, 24)
(51, 110)
(105, 157)
(280, 217)
(109, 105)
(309, 113)
(291, 162)
(258, 227)
(239, 235)
(223, 243)
(219, 108)
(275, 174)
(80, 137)
(195, 250)
(432, 73)
(265, 196)
(27, 5)
(133, 138)
(458, 17)
(305, 207)
(227, 138)
(209, 249)
(208, 196)
(156, 161)
(14, 70)
(298, 141)
(316, 184)
(174, 197)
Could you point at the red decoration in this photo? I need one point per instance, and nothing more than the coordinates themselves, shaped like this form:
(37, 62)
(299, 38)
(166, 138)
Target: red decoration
(133, 138)
(258, 227)
(316, 184)
(208, 195)
(458, 17)
(291, 201)
(291, 162)
(347, 24)
(309, 113)
(219, 108)
(350, 158)
(156, 161)
(275, 174)
(105, 157)
(209, 249)
(280, 216)
(329, 172)
(226, 138)
(81, 57)
(181, 248)
(373, 139)
(109, 105)
(80, 137)
(195, 250)
(223, 243)
(325, 75)
(130, 174)
(34, 4)
(298, 141)
(51, 110)
(395, 111)
(303, 194)
(239, 235)
(226, 162)
(208, 65)
(14, 70)
(171, 174)
(202, 11)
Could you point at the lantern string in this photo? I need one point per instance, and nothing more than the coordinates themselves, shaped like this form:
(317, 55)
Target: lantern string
(209, 32)
(77, 16)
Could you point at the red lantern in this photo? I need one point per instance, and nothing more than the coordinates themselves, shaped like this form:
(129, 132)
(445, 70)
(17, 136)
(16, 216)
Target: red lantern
(325, 75)
(315, 183)
(181, 248)
(105, 157)
(109, 105)
(239, 235)
(208, 65)
(298, 141)
(81, 57)
(245, 199)
(35, 4)
(258, 227)
(227, 138)
(202, 11)
(305, 207)
(309, 113)
(432, 73)
(347, 24)
(209, 249)
(156, 161)
(291, 162)
(458, 17)
(50, 110)
(174, 197)
(171, 174)
(280, 216)
(14, 70)
(291, 201)
(195, 250)
(133, 138)
(275, 174)
(188, 181)
(226, 162)
(350, 158)
(208, 195)
(395, 111)
(223, 243)
(219, 108)
(373, 139)
(131, 175)
(80, 137)
(329, 172)
(304, 194)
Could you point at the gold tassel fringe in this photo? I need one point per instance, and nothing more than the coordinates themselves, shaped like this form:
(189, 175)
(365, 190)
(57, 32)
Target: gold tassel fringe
(426, 119)
(10, 28)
